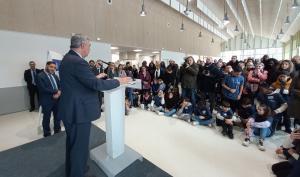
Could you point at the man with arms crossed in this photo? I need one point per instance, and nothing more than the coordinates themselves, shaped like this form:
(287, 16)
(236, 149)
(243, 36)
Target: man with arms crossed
(79, 103)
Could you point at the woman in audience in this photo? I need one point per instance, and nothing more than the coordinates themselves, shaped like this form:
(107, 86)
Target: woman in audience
(188, 78)
(145, 79)
(259, 125)
(286, 66)
(256, 77)
(294, 101)
(120, 71)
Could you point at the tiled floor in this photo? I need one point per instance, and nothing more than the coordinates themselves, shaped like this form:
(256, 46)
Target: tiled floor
(179, 148)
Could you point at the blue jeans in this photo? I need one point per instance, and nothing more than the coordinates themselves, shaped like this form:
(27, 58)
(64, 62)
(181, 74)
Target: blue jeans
(201, 121)
(262, 132)
(129, 94)
(189, 93)
(170, 113)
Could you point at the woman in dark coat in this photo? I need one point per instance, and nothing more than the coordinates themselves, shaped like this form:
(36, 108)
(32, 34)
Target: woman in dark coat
(294, 102)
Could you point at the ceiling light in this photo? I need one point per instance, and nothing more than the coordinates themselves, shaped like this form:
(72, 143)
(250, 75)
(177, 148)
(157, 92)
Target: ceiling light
(155, 52)
(281, 32)
(212, 40)
(182, 27)
(114, 48)
(295, 4)
(200, 34)
(143, 12)
(137, 50)
(98, 38)
(226, 19)
(287, 20)
(236, 28)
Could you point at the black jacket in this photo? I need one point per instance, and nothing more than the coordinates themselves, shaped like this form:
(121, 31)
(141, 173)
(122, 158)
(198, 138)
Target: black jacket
(28, 77)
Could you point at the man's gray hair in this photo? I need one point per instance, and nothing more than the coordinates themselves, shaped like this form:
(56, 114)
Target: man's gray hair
(77, 40)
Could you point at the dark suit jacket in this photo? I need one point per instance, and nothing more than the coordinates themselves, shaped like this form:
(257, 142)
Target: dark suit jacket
(46, 90)
(28, 78)
(96, 71)
(79, 101)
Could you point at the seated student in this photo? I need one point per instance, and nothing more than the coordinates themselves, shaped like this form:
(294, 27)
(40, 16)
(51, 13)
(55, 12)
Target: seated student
(282, 86)
(158, 102)
(171, 102)
(275, 101)
(146, 100)
(135, 98)
(162, 85)
(245, 110)
(155, 87)
(202, 114)
(290, 151)
(185, 110)
(225, 115)
(259, 124)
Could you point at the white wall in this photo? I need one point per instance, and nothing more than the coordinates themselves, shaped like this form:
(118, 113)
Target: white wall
(176, 56)
(17, 49)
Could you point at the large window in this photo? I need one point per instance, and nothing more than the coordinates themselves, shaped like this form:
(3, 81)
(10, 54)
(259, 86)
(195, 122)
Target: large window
(256, 53)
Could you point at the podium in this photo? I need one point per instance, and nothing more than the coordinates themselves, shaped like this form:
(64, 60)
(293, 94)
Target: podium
(114, 156)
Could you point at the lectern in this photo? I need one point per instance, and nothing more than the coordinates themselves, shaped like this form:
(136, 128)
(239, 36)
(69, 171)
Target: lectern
(114, 156)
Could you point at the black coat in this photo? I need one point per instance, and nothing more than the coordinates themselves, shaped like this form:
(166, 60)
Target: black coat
(79, 101)
(28, 77)
(188, 76)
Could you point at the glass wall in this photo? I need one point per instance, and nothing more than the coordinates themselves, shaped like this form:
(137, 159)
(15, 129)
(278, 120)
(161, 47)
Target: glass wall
(256, 53)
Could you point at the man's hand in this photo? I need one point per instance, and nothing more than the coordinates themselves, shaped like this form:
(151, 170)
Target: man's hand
(228, 121)
(291, 151)
(232, 90)
(124, 80)
(57, 95)
(101, 75)
(279, 151)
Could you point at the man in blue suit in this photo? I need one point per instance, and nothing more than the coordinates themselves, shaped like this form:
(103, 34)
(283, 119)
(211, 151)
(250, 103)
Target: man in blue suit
(49, 91)
(79, 103)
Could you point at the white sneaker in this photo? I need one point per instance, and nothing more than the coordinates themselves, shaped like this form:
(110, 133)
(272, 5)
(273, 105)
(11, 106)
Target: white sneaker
(160, 113)
(175, 116)
(195, 123)
(246, 142)
(261, 145)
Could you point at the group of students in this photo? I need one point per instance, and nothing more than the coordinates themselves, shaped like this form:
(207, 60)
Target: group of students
(259, 96)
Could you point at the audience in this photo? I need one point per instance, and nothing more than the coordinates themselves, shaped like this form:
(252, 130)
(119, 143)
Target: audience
(258, 95)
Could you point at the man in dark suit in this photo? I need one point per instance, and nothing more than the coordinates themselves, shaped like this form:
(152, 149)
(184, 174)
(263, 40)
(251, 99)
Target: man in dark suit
(49, 93)
(79, 104)
(30, 78)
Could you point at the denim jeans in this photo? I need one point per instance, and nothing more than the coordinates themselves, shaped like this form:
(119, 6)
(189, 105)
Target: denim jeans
(170, 113)
(201, 121)
(262, 132)
(129, 94)
(189, 93)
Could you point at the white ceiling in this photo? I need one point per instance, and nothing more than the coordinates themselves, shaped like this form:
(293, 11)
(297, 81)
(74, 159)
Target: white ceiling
(267, 23)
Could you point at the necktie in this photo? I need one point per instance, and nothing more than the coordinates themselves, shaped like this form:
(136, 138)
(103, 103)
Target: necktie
(33, 74)
(53, 83)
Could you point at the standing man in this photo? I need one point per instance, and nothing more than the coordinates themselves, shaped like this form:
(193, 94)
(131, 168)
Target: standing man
(79, 103)
(49, 91)
(30, 78)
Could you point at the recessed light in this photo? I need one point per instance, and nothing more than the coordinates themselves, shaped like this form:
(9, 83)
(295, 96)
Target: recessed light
(155, 52)
(114, 48)
(137, 50)
(98, 38)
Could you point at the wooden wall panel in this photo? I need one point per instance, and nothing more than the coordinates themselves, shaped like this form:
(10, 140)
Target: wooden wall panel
(118, 24)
